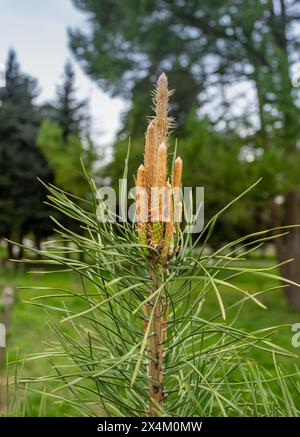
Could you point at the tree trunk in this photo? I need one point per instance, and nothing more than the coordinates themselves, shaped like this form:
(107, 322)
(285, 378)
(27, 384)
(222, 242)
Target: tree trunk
(38, 245)
(38, 242)
(288, 247)
(10, 251)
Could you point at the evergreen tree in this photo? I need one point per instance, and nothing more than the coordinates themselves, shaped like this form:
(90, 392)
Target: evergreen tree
(21, 162)
(64, 136)
(64, 158)
(68, 111)
(64, 139)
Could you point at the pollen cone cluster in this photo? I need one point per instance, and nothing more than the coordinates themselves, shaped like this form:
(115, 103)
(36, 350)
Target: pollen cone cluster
(158, 205)
(158, 213)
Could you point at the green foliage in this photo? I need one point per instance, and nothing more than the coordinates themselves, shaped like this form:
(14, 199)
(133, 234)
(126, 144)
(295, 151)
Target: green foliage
(64, 138)
(21, 161)
(204, 49)
(68, 111)
(64, 158)
(115, 169)
(208, 366)
(29, 332)
(214, 162)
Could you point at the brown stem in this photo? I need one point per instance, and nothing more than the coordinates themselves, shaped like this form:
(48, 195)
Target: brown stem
(157, 335)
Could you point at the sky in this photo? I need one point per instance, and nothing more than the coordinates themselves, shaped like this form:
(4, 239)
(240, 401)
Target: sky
(37, 30)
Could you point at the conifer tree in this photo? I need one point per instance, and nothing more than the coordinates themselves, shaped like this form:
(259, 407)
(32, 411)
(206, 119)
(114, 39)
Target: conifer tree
(21, 162)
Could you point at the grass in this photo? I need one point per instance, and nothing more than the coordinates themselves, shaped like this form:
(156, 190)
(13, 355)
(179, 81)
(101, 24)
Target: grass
(253, 317)
(29, 332)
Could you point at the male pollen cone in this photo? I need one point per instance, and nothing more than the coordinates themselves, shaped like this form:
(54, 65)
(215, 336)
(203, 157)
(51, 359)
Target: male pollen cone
(177, 172)
(161, 103)
(161, 166)
(162, 96)
(150, 157)
(140, 178)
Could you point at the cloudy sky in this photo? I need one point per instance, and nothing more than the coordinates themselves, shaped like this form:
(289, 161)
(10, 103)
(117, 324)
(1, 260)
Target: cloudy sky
(37, 30)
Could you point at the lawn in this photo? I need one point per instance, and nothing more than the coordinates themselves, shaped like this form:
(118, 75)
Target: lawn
(29, 332)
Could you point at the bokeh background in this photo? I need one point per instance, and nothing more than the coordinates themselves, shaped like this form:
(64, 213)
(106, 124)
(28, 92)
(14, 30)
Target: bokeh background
(75, 81)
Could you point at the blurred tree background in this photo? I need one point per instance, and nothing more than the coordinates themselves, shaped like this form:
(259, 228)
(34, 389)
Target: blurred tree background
(237, 111)
(64, 137)
(45, 142)
(235, 69)
(232, 64)
(21, 196)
